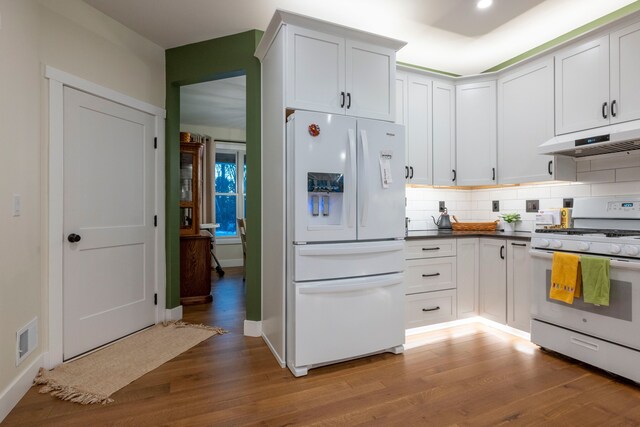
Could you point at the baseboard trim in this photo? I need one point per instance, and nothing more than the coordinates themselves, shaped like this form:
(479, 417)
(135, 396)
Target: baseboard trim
(11, 395)
(171, 314)
(281, 362)
(236, 262)
(252, 328)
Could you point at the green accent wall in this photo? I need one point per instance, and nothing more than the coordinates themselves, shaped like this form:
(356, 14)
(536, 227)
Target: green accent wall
(196, 63)
(433, 70)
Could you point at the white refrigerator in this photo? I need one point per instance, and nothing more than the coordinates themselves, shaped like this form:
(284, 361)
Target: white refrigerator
(345, 204)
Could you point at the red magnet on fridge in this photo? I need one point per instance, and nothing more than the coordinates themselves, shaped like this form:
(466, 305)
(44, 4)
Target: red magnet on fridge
(314, 129)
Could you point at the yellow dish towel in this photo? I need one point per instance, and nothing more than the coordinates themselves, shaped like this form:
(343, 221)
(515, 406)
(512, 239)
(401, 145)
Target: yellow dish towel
(566, 278)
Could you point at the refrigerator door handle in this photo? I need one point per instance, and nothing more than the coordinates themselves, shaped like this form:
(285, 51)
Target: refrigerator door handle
(349, 285)
(351, 208)
(364, 188)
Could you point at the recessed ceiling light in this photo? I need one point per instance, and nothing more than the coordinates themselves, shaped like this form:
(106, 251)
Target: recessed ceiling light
(483, 4)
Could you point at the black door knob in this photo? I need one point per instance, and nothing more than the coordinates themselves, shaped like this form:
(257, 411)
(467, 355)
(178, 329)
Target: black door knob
(73, 238)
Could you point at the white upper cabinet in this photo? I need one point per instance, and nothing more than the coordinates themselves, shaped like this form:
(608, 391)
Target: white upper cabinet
(597, 82)
(419, 149)
(625, 74)
(444, 134)
(582, 86)
(332, 74)
(476, 133)
(525, 121)
(401, 98)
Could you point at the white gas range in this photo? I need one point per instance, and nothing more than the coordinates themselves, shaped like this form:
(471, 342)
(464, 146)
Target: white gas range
(606, 337)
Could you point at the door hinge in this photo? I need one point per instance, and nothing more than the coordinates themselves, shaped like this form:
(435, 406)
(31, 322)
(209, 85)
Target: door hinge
(155, 142)
(155, 220)
(155, 299)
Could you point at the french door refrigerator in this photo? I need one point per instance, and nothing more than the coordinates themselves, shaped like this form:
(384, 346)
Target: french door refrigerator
(345, 239)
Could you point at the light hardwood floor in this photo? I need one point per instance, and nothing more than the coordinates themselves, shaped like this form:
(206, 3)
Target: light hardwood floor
(468, 375)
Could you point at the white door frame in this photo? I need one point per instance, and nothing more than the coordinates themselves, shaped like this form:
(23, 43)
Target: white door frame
(57, 81)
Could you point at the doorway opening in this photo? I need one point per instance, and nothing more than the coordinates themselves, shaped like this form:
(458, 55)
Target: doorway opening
(213, 113)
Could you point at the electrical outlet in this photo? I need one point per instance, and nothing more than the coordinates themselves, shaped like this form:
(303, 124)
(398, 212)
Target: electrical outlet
(26, 340)
(495, 206)
(441, 206)
(567, 203)
(533, 205)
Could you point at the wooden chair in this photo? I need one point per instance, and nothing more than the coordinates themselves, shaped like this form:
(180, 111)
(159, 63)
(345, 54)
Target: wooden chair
(242, 231)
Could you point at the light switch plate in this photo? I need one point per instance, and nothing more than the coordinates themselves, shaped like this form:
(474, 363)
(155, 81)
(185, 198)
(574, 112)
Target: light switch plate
(441, 206)
(567, 203)
(495, 206)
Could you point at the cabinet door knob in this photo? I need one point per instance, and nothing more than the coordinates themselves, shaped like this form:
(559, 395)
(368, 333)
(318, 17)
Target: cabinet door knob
(74, 238)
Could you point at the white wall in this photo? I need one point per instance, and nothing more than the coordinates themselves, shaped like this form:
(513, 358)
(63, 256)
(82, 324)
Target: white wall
(229, 255)
(73, 37)
(606, 176)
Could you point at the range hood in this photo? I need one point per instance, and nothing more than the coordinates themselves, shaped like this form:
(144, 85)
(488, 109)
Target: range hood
(603, 140)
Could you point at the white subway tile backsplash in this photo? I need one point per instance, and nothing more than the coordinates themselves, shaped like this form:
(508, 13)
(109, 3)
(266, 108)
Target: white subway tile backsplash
(607, 176)
(571, 191)
(598, 176)
(614, 189)
(583, 165)
(626, 161)
(628, 174)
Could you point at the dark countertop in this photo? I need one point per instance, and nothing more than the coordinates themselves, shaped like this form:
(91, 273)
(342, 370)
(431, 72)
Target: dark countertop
(437, 234)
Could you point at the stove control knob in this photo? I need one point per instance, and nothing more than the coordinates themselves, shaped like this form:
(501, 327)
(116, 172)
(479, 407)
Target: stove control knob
(584, 246)
(631, 250)
(556, 244)
(543, 243)
(615, 249)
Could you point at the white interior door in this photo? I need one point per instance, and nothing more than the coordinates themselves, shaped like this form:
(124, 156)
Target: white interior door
(109, 185)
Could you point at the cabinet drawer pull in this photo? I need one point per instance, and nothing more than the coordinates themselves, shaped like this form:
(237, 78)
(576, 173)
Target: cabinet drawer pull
(431, 309)
(411, 172)
(341, 99)
(613, 106)
(518, 244)
(493, 174)
(431, 275)
(550, 164)
(406, 172)
(454, 175)
(502, 252)
(431, 249)
(604, 110)
(348, 100)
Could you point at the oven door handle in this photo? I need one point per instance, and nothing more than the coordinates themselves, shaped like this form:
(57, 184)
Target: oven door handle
(616, 263)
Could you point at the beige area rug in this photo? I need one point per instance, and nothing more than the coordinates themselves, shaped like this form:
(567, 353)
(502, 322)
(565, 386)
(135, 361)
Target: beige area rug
(95, 377)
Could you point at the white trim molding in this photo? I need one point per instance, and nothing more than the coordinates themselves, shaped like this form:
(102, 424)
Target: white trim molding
(10, 396)
(252, 328)
(233, 262)
(55, 238)
(171, 314)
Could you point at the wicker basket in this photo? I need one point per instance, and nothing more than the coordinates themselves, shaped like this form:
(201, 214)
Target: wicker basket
(185, 136)
(474, 226)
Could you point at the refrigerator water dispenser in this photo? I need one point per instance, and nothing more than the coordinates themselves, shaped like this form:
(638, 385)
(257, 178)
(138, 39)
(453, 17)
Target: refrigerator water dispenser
(326, 191)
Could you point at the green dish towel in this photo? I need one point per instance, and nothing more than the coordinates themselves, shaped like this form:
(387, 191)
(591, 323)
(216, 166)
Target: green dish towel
(595, 280)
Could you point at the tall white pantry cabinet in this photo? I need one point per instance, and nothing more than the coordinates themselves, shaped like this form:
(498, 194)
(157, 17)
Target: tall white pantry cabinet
(311, 65)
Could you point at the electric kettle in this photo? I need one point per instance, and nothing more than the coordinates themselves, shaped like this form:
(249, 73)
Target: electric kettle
(443, 222)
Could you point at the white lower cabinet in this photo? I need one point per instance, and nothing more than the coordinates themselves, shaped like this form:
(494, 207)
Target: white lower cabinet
(505, 282)
(430, 282)
(467, 263)
(519, 285)
(448, 279)
(493, 280)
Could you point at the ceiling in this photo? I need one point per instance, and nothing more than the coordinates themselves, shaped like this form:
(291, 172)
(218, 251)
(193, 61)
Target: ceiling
(448, 35)
(218, 103)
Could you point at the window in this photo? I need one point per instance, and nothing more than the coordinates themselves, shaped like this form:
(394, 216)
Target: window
(230, 196)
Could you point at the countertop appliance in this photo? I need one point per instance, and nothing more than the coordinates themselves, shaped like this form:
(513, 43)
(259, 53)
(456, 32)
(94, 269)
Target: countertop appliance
(345, 229)
(606, 337)
(443, 222)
